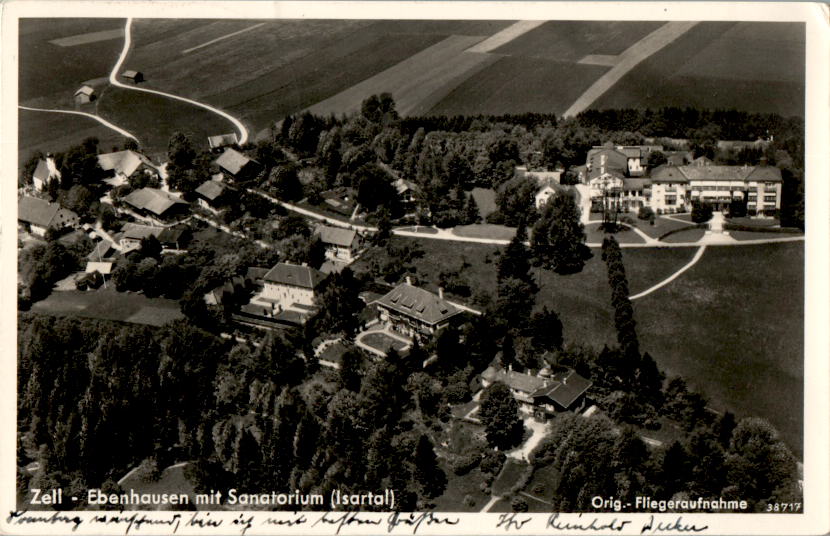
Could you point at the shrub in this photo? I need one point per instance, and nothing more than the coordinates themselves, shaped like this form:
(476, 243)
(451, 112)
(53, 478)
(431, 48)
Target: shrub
(519, 505)
(539, 489)
(659, 211)
(149, 470)
(645, 213)
(461, 465)
(469, 501)
(491, 462)
(701, 212)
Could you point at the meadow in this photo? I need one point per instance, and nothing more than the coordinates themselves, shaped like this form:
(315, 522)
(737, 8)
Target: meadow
(107, 304)
(732, 325)
(752, 66)
(53, 132)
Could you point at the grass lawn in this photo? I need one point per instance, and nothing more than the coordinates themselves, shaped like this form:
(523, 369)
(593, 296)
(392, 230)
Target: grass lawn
(486, 201)
(735, 331)
(461, 410)
(107, 304)
(485, 230)
(691, 235)
(753, 66)
(626, 236)
(543, 482)
(660, 227)
(382, 342)
(754, 222)
(732, 325)
(749, 235)
(509, 476)
(458, 488)
(54, 132)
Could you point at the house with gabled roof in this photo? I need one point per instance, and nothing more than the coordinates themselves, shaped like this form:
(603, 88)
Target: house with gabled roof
(136, 76)
(155, 203)
(221, 141)
(45, 171)
(416, 312)
(544, 394)
(237, 166)
(122, 164)
(40, 215)
(341, 244)
(287, 285)
(84, 95)
(212, 195)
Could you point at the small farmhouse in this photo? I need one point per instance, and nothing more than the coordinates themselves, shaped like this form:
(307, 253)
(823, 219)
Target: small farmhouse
(212, 195)
(237, 166)
(84, 95)
(120, 165)
(132, 234)
(39, 215)
(44, 172)
(221, 141)
(135, 76)
(156, 203)
(415, 312)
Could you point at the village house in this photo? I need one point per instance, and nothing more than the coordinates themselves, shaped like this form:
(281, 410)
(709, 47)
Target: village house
(542, 395)
(120, 165)
(212, 195)
(39, 215)
(84, 95)
(132, 234)
(238, 167)
(156, 203)
(288, 285)
(341, 244)
(45, 171)
(415, 312)
(225, 292)
(101, 251)
(174, 238)
(407, 191)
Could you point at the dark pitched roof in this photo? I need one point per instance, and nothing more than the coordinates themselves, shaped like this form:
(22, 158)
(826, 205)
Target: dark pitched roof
(254, 273)
(636, 184)
(564, 388)
(336, 235)
(136, 231)
(418, 303)
(156, 201)
(211, 189)
(233, 161)
(666, 173)
(518, 381)
(295, 275)
(170, 235)
(716, 173)
(42, 213)
(100, 250)
(765, 173)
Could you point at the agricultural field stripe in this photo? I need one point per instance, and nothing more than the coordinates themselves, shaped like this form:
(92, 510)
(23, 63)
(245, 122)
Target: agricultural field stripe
(113, 79)
(629, 59)
(91, 116)
(221, 38)
(87, 38)
(505, 36)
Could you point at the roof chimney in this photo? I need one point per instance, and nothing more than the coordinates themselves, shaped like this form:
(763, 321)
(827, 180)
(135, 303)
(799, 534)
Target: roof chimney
(441, 292)
(408, 280)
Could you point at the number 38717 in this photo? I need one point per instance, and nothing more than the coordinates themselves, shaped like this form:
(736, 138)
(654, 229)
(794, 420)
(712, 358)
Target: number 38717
(783, 507)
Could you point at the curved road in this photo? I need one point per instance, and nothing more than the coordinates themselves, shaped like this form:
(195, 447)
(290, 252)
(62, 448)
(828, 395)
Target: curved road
(113, 79)
(91, 116)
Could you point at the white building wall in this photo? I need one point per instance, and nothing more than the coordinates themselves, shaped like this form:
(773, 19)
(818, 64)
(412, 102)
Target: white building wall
(285, 295)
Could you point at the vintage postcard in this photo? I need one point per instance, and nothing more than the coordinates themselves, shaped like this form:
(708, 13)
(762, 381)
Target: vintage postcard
(415, 268)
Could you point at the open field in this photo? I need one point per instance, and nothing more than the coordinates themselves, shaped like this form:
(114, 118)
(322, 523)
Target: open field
(107, 304)
(753, 66)
(572, 40)
(732, 325)
(53, 132)
(49, 73)
(735, 330)
(516, 84)
(154, 119)
(486, 200)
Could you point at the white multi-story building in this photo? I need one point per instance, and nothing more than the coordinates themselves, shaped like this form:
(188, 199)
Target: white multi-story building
(289, 285)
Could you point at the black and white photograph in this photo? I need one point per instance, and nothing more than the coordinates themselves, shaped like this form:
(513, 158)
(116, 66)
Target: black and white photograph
(468, 268)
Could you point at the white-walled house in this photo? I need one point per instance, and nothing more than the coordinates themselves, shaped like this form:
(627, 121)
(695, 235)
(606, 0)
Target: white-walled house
(291, 284)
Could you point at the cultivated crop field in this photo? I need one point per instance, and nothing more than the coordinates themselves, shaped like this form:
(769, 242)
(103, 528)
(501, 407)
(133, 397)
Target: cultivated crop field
(753, 66)
(50, 132)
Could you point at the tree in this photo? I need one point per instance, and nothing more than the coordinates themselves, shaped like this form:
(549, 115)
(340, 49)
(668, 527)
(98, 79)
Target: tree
(514, 261)
(374, 188)
(656, 158)
(285, 183)
(349, 375)
(500, 414)
(427, 472)
(701, 212)
(558, 240)
(180, 151)
(546, 330)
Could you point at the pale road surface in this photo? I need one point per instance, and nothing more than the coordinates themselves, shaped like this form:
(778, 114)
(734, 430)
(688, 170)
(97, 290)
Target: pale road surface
(629, 59)
(505, 36)
(113, 79)
(91, 116)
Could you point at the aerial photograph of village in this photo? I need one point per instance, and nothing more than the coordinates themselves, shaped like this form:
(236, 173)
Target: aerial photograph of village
(410, 265)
